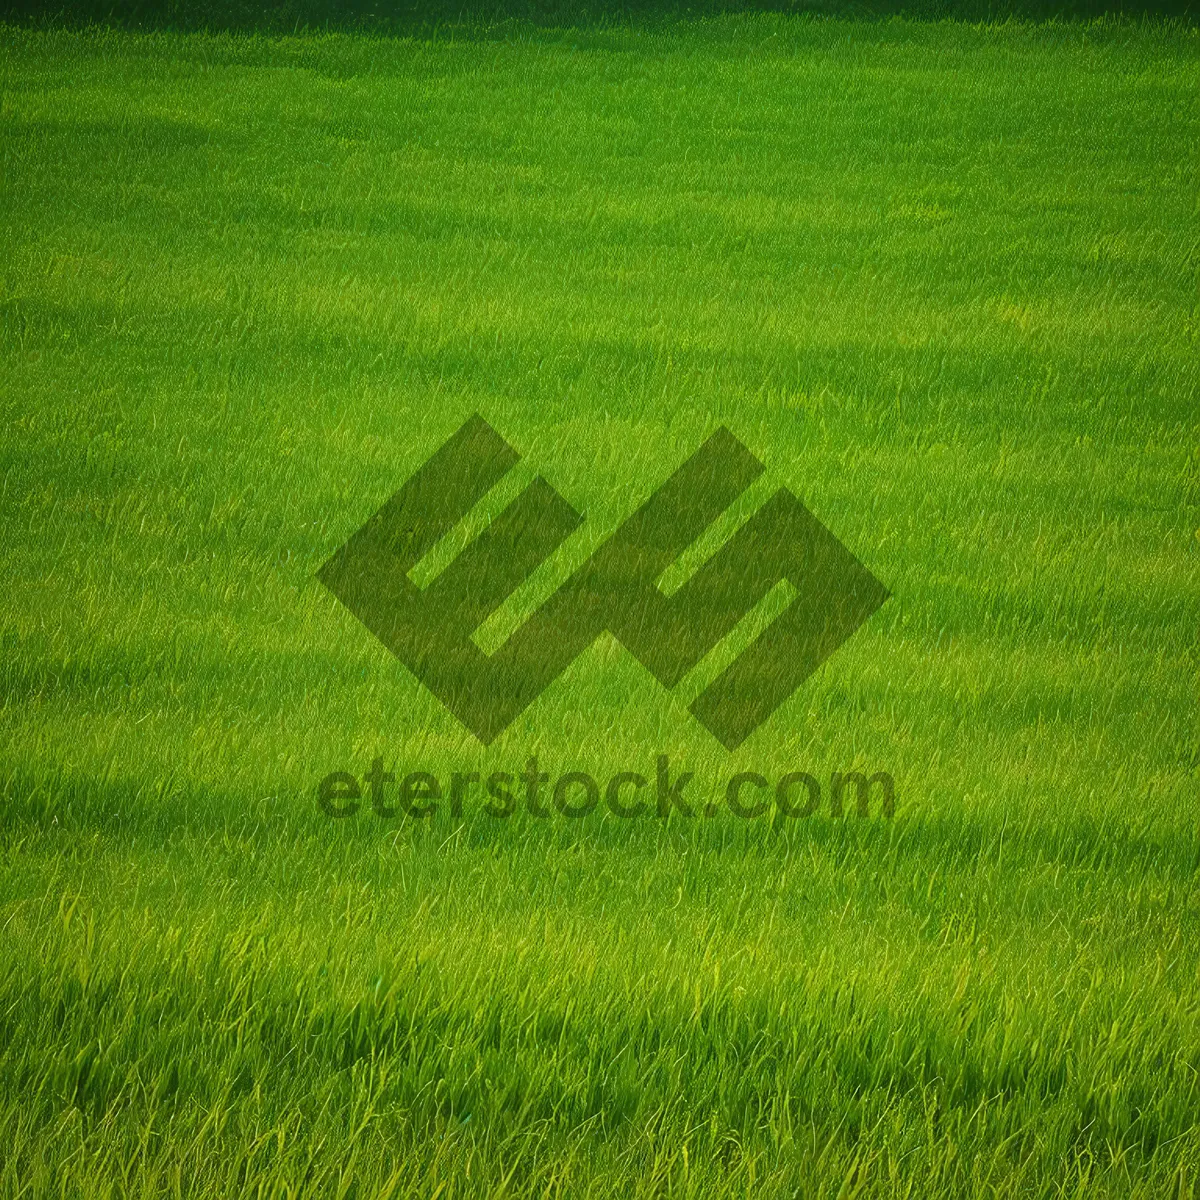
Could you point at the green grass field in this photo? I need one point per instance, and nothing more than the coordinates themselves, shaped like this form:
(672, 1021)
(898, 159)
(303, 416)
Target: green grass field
(941, 279)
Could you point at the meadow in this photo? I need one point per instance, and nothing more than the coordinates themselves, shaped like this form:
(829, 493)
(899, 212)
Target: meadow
(942, 279)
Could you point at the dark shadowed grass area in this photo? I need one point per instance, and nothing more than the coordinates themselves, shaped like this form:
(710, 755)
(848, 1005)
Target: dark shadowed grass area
(493, 17)
(940, 278)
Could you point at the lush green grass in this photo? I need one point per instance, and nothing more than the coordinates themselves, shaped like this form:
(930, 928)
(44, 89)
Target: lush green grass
(941, 279)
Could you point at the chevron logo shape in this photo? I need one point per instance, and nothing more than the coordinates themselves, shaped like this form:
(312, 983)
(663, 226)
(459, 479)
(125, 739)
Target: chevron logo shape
(429, 629)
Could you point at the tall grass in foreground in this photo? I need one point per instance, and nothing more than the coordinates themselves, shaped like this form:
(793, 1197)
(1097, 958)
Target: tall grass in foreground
(941, 279)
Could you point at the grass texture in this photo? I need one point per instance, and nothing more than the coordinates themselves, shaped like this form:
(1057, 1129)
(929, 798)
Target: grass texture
(941, 279)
